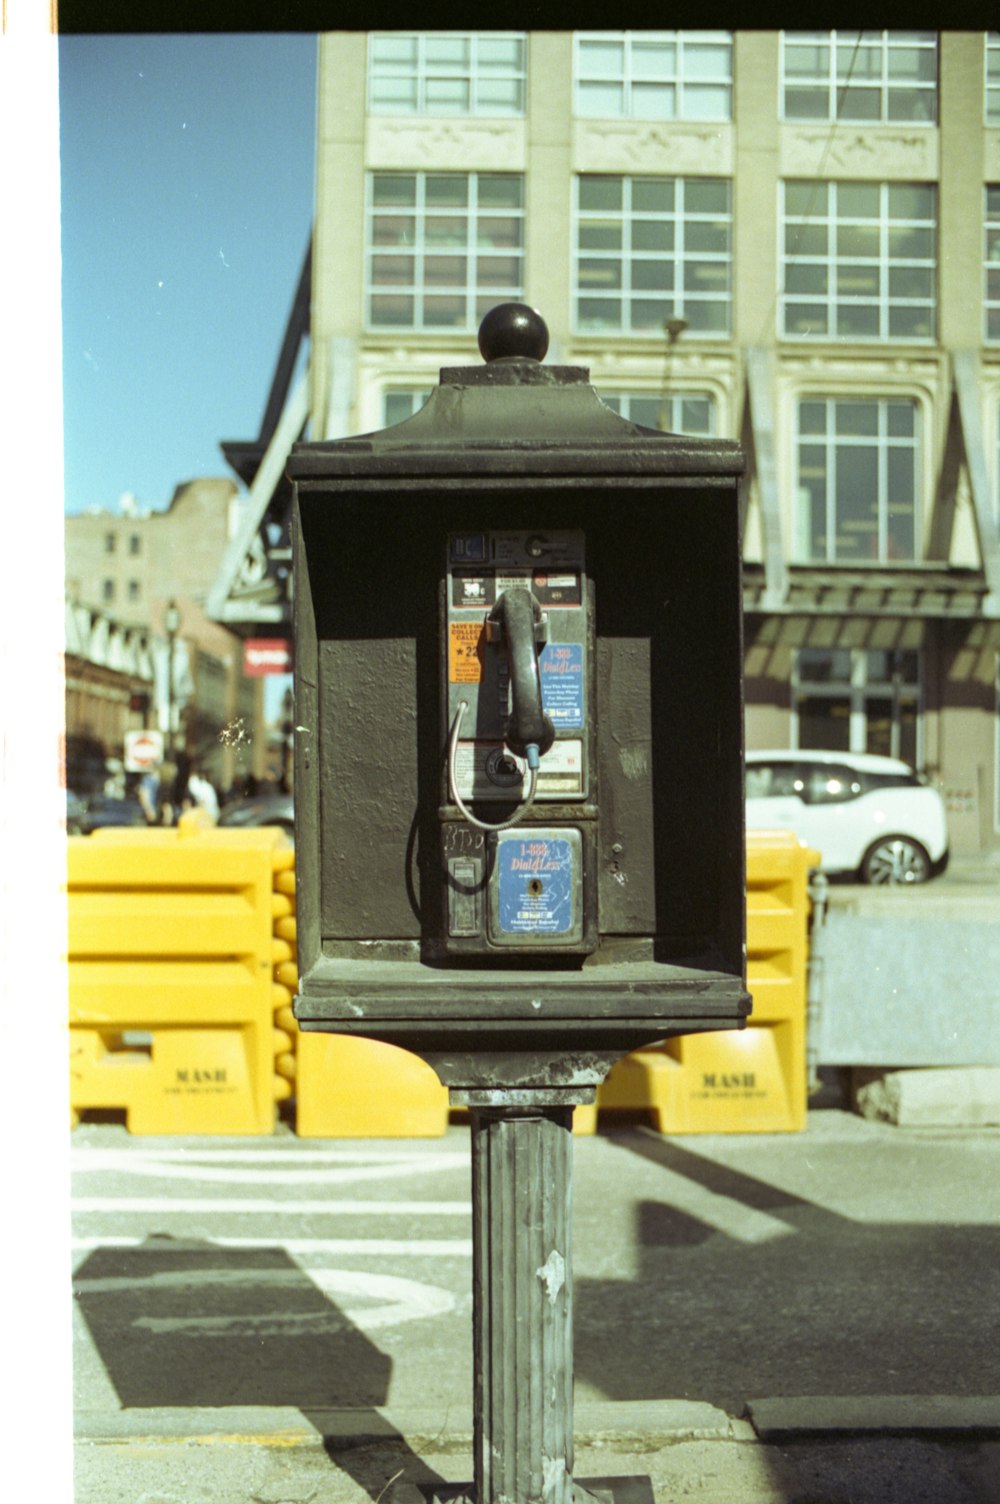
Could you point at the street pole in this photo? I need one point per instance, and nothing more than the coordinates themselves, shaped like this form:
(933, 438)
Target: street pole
(172, 622)
(673, 329)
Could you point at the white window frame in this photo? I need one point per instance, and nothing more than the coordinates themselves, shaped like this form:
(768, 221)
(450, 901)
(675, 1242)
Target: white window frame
(881, 443)
(471, 250)
(676, 303)
(991, 79)
(991, 263)
(858, 689)
(425, 71)
(669, 407)
(824, 211)
(682, 80)
(843, 50)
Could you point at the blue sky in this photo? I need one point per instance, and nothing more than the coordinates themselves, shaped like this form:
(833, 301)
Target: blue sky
(187, 180)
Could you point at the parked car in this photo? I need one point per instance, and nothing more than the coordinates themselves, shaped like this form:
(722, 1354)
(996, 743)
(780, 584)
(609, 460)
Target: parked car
(98, 810)
(869, 815)
(263, 809)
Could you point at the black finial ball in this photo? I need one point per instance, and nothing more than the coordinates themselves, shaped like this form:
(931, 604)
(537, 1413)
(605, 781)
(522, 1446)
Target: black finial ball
(513, 331)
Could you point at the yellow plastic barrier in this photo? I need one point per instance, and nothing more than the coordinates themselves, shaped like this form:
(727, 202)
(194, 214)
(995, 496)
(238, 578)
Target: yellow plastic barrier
(749, 1080)
(360, 1088)
(171, 957)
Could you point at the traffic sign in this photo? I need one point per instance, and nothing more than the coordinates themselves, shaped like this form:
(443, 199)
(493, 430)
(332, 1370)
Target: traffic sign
(143, 751)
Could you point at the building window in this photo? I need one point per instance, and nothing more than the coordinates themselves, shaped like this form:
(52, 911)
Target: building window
(401, 404)
(672, 412)
(871, 76)
(858, 480)
(858, 700)
(110, 542)
(108, 591)
(992, 289)
(134, 543)
(443, 247)
(446, 73)
(134, 590)
(651, 249)
(654, 75)
(859, 260)
(992, 102)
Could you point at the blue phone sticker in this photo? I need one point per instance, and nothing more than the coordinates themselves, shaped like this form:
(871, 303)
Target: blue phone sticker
(561, 669)
(535, 877)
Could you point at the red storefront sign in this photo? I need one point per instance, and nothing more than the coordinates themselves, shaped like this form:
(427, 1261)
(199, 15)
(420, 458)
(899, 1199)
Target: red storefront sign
(267, 655)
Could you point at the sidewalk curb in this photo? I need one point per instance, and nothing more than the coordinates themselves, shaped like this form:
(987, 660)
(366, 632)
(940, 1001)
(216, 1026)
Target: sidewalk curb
(615, 1424)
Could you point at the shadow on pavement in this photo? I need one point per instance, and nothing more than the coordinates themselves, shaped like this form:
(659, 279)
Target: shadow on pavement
(791, 1299)
(182, 1323)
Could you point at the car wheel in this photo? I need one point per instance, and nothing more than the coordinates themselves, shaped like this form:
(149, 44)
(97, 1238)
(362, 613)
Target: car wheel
(896, 861)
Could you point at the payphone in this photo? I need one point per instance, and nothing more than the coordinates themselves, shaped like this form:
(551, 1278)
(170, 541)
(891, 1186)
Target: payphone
(516, 656)
(519, 801)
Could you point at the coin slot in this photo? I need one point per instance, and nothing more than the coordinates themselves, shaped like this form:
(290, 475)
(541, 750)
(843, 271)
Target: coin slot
(535, 887)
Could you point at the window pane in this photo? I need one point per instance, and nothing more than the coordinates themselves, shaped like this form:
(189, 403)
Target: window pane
(706, 102)
(606, 273)
(600, 193)
(824, 724)
(804, 198)
(445, 49)
(444, 229)
(911, 323)
(858, 240)
(606, 235)
(447, 190)
(706, 196)
(910, 201)
(858, 200)
(498, 271)
(856, 419)
(806, 278)
(601, 58)
(501, 52)
(599, 313)
(653, 102)
(652, 194)
(444, 271)
(387, 49)
(448, 96)
(500, 191)
(900, 419)
(805, 240)
(824, 665)
(392, 269)
(812, 417)
(652, 235)
(647, 316)
(391, 310)
(597, 100)
(807, 103)
(392, 189)
(655, 276)
(806, 61)
(859, 104)
(654, 60)
(398, 94)
(444, 312)
(393, 230)
(857, 322)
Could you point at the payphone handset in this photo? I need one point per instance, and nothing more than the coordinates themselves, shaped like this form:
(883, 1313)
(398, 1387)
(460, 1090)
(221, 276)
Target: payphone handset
(518, 820)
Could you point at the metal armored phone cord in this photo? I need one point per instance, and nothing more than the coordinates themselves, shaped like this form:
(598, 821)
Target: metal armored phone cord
(533, 758)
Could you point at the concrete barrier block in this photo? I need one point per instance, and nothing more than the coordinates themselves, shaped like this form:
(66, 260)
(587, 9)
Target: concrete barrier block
(934, 1097)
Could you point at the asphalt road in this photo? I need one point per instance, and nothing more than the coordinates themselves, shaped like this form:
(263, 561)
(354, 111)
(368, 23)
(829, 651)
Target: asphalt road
(854, 1259)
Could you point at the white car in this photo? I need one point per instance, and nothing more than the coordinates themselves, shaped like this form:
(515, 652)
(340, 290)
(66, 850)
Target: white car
(871, 815)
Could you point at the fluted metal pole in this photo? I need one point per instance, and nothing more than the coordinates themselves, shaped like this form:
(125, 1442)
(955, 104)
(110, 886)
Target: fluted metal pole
(522, 1198)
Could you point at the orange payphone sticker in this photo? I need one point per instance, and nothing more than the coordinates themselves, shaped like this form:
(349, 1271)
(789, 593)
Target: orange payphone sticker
(465, 657)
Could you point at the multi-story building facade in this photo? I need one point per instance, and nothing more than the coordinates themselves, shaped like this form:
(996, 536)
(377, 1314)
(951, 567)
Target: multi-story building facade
(125, 567)
(792, 239)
